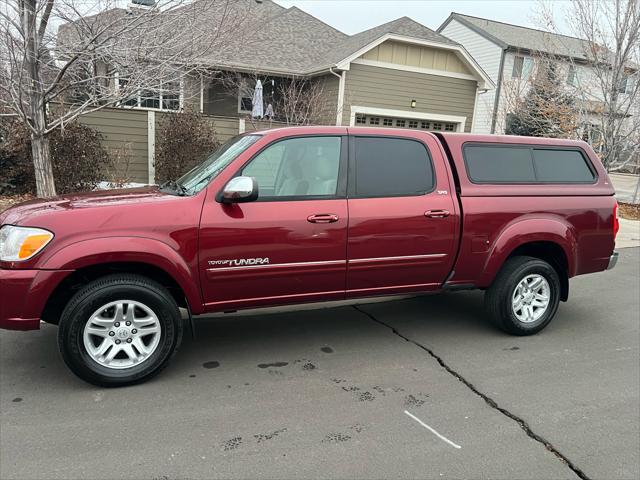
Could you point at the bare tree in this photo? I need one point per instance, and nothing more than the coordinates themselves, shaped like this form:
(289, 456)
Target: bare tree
(607, 76)
(102, 56)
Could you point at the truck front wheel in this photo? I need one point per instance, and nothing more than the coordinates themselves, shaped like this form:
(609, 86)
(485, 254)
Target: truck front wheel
(524, 296)
(119, 330)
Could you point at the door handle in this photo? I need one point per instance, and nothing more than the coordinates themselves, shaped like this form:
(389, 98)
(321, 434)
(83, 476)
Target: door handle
(323, 218)
(436, 213)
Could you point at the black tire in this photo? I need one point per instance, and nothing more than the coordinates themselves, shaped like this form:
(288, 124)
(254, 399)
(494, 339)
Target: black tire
(101, 292)
(498, 297)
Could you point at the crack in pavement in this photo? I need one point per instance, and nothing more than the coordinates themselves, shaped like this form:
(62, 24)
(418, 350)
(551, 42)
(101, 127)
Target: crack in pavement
(490, 401)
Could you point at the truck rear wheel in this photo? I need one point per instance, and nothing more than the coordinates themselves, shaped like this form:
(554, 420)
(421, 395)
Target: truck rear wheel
(524, 296)
(119, 330)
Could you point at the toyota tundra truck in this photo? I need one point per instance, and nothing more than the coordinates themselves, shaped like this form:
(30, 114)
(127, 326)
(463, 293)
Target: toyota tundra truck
(306, 214)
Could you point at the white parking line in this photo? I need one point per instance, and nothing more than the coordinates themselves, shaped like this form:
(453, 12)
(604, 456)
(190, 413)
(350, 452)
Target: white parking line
(441, 437)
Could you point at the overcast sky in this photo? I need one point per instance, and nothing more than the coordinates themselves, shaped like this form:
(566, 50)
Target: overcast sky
(352, 16)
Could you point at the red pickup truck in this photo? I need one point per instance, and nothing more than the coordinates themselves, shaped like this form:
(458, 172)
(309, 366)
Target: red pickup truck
(306, 214)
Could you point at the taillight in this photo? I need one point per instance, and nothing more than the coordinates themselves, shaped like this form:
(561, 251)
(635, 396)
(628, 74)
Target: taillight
(616, 222)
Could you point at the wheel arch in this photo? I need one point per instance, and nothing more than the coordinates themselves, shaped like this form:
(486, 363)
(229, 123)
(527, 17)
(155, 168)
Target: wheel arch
(550, 240)
(93, 259)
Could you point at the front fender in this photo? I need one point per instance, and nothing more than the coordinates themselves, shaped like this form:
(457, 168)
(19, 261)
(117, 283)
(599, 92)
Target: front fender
(528, 231)
(87, 253)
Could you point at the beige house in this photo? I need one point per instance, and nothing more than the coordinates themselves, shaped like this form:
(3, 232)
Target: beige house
(399, 74)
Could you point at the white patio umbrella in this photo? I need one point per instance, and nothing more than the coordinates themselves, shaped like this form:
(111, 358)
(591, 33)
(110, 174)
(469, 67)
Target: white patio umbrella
(258, 107)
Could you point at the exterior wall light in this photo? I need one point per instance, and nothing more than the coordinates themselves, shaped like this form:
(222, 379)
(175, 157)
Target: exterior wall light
(413, 104)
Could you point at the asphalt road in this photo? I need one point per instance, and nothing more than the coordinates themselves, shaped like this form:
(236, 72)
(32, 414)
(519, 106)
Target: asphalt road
(383, 390)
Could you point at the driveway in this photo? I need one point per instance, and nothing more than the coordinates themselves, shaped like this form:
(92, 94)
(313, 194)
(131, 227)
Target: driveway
(414, 388)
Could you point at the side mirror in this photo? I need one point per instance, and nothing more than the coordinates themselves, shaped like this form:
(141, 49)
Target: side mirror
(240, 190)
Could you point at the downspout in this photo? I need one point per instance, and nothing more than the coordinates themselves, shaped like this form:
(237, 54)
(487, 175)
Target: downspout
(340, 104)
(498, 89)
(479, 91)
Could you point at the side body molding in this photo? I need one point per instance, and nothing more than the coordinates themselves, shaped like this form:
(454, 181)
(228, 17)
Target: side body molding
(539, 229)
(98, 251)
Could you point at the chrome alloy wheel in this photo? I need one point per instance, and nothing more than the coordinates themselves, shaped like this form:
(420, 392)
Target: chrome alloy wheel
(531, 298)
(122, 334)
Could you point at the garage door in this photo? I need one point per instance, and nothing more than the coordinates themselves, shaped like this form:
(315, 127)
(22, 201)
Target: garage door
(397, 122)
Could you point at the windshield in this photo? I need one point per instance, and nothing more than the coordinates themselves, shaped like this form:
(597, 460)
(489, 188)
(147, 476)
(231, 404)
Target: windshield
(198, 177)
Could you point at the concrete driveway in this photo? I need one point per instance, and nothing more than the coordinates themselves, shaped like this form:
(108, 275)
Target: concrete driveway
(415, 388)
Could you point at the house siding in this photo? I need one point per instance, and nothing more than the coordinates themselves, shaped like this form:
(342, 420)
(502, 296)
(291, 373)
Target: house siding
(393, 89)
(124, 133)
(488, 55)
(401, 53)
(329, 85)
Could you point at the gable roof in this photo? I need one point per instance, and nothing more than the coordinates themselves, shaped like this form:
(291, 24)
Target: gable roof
(296, 42)
(507, 35)
(278, 40)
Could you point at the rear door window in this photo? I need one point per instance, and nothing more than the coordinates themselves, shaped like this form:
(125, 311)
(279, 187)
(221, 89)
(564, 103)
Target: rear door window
(513, 164)
(387, 167)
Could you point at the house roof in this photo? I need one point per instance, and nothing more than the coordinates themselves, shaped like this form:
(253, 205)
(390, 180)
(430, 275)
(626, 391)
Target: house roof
(275, 39)
(515, 36)
(293, 41)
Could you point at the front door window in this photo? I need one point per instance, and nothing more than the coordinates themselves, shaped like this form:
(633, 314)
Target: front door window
(297, 168)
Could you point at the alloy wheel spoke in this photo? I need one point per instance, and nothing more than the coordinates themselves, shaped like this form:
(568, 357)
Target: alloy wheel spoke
(535, 283)
(144, 322)
(102, 348)
(529, 312)
(518, 304)
(98, 332)
(539, 303)
(119, 313)
(140, 346)
(130, 352)
(130, 316)
(149, 330)
(112, 354)
(101, 321)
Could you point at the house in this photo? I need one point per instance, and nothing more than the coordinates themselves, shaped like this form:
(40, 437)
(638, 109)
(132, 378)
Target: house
(399, 74)
(508, 54)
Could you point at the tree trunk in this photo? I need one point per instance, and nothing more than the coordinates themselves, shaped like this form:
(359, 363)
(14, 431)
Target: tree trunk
(45, 183)
(40, 152)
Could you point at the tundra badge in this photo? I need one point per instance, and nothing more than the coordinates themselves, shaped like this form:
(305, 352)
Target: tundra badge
(239, 262)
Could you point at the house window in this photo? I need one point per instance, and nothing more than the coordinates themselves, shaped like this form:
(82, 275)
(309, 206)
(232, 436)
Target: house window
(437, 126)
(425, 125)
(572, 76)
(522, 67)
(413, 124)
(166, 96)
(400, 123)
(449, 127)
(518, 62)
(623, 84)
(374, 120)
(245, 98)
(387, 122)
(360, 120)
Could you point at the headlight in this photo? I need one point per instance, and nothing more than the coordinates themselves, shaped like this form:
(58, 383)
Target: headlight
(21, 243)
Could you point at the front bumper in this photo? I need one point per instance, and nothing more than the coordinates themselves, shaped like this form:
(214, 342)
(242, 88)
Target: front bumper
(24, 294)
(613, 260)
